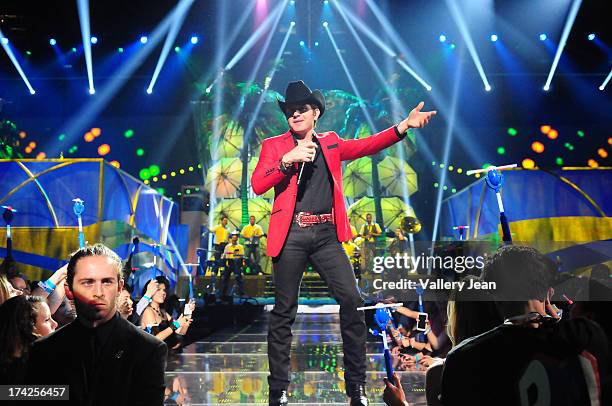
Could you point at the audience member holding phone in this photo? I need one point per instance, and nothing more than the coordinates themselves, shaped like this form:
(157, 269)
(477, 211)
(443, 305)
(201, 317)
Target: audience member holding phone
(156, 319)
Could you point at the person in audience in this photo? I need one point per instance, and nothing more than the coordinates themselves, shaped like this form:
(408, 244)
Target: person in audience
(470, 313)
(533, 357)
(21, 283)
(393, 394)
(7, 290)
(151, 287)
(53, 289)
(125, 303)
(159, 323)
(103, 358)
(23, 319)
(594, 303)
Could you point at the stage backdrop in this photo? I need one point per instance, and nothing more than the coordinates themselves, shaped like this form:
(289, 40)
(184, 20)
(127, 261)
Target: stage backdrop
(117, 207)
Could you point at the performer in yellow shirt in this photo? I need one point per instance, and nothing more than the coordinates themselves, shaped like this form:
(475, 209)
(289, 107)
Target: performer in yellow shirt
(252, 233)
(221, 237)
(233, 255)
(369, 231)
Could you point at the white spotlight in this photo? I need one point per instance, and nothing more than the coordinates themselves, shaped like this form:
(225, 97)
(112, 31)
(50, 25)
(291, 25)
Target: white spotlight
(149, 91)
(571, 17)
(92, 91)
(488, 88)
(325, 24)
(32, 91)
(546, 88)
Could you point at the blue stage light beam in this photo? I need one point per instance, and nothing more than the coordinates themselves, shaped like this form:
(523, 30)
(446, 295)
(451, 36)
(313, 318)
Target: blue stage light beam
(467, 38)
(260, 58)
(222, 47)
(269, 77)
(473, 149)
(356, 91)
(83, 7)
(446, 153)
(571, 17)
(367, 31)
(605, 82)
(261, 30)
(7, 48)
(369, 57)
(170, 38)
(82, 118)
(395, 102)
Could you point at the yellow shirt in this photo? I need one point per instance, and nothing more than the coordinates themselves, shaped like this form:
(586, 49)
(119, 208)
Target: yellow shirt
(233, 251)
(249, 231)
(221, 234)
(350, 248)
(369, 229)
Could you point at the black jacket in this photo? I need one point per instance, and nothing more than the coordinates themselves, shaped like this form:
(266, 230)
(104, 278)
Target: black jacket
(513, 365)
(130, 370)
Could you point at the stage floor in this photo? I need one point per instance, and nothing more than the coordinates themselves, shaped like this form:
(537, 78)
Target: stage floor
(231, 367)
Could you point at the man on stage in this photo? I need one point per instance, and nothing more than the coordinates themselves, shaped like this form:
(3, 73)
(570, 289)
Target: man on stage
(252, 233)
(308, 224)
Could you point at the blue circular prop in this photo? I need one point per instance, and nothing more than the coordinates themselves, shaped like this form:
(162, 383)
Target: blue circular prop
(78, 208)
(495, 180)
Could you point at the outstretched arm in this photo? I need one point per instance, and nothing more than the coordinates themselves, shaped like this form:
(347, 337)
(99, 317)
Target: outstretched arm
(357, 148)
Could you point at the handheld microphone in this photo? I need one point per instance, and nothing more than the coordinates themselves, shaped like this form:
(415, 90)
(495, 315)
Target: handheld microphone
(302, 164)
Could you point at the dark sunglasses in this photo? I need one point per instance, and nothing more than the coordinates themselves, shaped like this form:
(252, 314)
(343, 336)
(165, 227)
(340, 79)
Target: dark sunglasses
(300, 109)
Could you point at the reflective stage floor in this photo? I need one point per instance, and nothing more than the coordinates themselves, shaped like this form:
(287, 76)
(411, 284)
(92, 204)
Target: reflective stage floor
(231, 367)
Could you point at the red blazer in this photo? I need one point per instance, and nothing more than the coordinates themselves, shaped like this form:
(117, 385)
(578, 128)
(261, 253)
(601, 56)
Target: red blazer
(267, 174)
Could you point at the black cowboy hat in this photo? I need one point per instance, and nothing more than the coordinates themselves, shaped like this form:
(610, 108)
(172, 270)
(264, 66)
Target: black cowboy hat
(299, 93)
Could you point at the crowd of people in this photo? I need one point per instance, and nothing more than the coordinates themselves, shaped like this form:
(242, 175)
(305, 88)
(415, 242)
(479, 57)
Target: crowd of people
(480, 347)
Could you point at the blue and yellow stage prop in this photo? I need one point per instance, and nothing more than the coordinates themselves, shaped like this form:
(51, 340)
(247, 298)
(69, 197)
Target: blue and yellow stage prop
(382, 317)
(568, 205)
(118, 207)
(564, 213)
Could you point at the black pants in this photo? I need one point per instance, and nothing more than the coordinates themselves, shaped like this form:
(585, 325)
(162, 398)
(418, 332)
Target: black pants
(251, 252)
(219, 248)
(232, 266)
(318, 245)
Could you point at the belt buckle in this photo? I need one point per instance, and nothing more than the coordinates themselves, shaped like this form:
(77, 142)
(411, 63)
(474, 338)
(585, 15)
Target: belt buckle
(299, 217)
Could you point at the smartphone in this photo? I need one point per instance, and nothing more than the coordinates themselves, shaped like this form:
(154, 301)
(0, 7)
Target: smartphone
(422, 322)
(187, 309)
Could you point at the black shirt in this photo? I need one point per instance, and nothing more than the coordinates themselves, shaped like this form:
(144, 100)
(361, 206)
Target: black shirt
(315, 193)
(95, 340)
